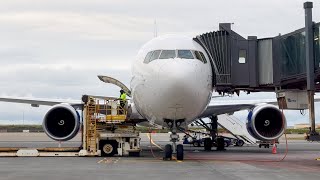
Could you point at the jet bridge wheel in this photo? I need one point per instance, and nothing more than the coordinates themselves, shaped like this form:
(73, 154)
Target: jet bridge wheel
(180, 152)
(167, 152)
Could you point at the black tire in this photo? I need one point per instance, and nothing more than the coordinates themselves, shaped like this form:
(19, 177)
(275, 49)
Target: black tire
(240, 143)
(226, 144)
(180, 152)
(259, 145)
(168, 151)
(220, 144)
(108, 148)
(196, 144)
(207, 144)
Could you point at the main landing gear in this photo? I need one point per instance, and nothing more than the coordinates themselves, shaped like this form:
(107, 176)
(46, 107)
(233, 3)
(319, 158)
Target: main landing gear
(213, 140)
(174, 137)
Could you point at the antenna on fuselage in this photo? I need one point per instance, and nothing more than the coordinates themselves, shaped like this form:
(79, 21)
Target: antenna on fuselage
(155, 30)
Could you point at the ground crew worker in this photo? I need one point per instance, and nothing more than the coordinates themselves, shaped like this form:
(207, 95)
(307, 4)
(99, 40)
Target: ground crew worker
(123, 100)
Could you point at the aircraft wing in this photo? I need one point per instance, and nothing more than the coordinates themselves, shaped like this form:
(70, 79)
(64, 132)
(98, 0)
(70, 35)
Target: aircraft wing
(223, 107)
(38, 102)
(214, 110)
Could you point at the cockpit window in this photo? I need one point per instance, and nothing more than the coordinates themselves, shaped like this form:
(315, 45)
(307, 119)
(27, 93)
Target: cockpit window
(197, 55)
(147, 58)
(167, 54)
(203, 57)
(185, 54)
(155, 55)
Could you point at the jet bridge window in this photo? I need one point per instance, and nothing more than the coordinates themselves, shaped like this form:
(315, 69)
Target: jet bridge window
(185, 54)
(242, 56)
(167, 54)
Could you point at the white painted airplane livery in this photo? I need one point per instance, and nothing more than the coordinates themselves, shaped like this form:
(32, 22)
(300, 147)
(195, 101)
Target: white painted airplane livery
(172, 79)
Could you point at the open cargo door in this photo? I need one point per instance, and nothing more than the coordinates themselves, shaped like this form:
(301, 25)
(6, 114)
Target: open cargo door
(116, 82)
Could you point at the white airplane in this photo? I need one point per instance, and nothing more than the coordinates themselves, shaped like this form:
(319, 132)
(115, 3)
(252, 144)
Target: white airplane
(171, 87)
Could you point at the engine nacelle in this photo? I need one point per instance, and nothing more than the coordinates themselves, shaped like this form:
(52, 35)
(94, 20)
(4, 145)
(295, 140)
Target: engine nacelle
(61, 122)
(265, 122)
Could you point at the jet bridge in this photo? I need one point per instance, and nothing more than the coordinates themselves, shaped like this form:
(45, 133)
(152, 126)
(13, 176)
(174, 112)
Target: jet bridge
(254, 64)
(281, 64)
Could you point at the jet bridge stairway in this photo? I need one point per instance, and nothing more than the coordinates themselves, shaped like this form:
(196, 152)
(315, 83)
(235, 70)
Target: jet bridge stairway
(236, 128)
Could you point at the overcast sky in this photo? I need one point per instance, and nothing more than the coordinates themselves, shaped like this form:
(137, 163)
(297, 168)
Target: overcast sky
(55, 49)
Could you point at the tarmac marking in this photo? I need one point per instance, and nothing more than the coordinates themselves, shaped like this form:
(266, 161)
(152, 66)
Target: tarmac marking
(109, 161)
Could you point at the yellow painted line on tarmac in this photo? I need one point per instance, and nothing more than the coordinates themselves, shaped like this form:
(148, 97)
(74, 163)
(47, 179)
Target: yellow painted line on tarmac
(318, 159)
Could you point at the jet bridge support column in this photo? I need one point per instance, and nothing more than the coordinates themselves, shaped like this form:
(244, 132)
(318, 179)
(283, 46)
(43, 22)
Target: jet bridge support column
(310, 68)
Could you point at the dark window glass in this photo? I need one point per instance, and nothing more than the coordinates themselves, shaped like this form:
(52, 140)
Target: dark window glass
(203, 57)
(167, 54)
(147, 58)
(293, 54)
(155, 55)
(242, 56)
(197, 55)
(185, 54)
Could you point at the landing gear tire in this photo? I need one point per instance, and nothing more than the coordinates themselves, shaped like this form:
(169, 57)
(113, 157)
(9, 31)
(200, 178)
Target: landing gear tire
(220, 144)
(207, 144)
(239, 143)
(180, 152)
(167, 152)
(226, 144)
(196, 144)
(108, 148)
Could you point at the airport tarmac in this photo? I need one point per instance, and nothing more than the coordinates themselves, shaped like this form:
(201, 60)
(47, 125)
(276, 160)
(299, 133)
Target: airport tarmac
(247, 162)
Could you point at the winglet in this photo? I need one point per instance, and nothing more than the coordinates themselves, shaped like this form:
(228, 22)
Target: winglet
(116, 82)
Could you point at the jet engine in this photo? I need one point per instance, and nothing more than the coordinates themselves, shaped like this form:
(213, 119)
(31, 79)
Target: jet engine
(61, 122)
(266, 123)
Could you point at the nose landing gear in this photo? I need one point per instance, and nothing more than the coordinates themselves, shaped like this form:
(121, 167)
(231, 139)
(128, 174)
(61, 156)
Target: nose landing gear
(174, 137)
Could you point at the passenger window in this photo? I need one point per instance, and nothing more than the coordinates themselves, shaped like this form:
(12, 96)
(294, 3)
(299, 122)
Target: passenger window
(155, 55)
(167, 54)
(185, 54)
(203, 57)
(147, 58)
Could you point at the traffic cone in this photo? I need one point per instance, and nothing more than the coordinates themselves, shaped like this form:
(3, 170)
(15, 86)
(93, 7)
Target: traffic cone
(274, 148)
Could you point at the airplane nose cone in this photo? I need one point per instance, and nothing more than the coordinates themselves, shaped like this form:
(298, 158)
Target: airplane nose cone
(182, 87)
(175, 76)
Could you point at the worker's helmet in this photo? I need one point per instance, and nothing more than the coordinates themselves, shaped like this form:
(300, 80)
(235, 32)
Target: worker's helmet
(121, 91)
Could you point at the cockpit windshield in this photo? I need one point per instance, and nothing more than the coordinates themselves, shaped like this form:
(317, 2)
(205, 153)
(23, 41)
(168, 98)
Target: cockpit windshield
(167, 54)
(185, 54)
(171, 54)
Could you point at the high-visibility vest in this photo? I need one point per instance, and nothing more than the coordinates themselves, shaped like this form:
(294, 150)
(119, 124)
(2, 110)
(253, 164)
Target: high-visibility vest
(123, 96)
